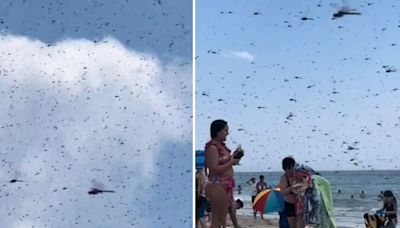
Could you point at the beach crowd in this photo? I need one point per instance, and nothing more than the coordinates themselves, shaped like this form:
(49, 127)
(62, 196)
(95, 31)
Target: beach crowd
(304, 195)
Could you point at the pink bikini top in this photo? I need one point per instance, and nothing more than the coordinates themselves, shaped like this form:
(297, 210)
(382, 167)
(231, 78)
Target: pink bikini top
(224, 153)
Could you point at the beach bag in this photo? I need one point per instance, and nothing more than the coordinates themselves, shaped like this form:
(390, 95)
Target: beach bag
(305, 177)
(311, 206)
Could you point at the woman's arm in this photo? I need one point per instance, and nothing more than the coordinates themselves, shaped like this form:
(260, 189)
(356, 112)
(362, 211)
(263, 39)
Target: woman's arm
(211, 157)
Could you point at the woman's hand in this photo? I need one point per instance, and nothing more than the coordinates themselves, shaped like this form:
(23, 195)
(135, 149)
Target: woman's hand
(234, 161)
(238, 152)
(238, 149)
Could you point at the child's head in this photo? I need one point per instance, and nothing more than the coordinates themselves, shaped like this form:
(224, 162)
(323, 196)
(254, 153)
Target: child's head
(239, 204)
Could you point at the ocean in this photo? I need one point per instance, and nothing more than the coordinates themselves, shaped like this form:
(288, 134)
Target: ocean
(348, 212)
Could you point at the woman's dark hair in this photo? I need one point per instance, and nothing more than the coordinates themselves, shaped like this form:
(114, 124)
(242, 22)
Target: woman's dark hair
(288, 163)
(388, 194)
(217, 126)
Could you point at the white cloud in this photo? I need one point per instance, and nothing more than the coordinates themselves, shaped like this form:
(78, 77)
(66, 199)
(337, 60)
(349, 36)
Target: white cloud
(80, 110)
(243, 55)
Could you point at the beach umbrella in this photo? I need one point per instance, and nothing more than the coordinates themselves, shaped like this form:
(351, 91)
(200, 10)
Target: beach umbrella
(199, 159)
(269, 200)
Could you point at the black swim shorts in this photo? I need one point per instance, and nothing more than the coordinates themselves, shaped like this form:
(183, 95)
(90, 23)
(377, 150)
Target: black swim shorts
(290, 209)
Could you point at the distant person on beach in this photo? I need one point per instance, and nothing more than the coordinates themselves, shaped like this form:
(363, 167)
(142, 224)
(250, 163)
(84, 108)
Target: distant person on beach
(236, 205)
(339, 191)
(219, 161)
(352, 197)
(295, 218)
(252, 183)
(239, 189)
(260, 186)
(385, 217)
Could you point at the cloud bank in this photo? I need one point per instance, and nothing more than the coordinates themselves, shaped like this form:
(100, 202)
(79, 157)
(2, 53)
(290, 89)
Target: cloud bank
(81, 110)
(243, 55)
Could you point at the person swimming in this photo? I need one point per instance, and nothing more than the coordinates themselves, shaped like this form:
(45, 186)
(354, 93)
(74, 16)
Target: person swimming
(362, 194)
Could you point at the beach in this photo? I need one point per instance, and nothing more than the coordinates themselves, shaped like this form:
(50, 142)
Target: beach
(245, 221)
(348, 212)
(249, 221)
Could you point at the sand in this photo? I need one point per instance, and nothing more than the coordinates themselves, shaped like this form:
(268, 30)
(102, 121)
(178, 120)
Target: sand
(249, 221)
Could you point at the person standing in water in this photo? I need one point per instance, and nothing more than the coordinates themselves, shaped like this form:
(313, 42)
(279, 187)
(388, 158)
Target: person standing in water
(219, 161)
(239, 189)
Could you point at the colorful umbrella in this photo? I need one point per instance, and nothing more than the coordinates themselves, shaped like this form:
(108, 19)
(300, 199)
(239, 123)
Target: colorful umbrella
(269, 200)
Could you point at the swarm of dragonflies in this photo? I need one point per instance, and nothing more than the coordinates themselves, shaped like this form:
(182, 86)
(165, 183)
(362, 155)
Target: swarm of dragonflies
(97, 187)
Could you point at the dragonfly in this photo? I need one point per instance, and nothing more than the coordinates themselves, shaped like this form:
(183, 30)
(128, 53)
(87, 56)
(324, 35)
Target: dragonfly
(15, 178)
(98, 187)
(343, 10)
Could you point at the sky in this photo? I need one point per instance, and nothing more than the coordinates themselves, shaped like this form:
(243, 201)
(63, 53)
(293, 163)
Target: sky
(95, 94)
(292, 81)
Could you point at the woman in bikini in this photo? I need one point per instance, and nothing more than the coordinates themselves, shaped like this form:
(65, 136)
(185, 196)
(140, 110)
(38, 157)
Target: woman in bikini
(219, 161)
(287, 190)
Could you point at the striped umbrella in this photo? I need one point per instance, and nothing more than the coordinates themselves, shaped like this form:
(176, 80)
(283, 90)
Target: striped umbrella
(269, 200)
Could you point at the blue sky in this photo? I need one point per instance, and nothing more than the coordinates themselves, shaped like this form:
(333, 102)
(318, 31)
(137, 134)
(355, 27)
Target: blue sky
(258, 63)
(96, 90)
